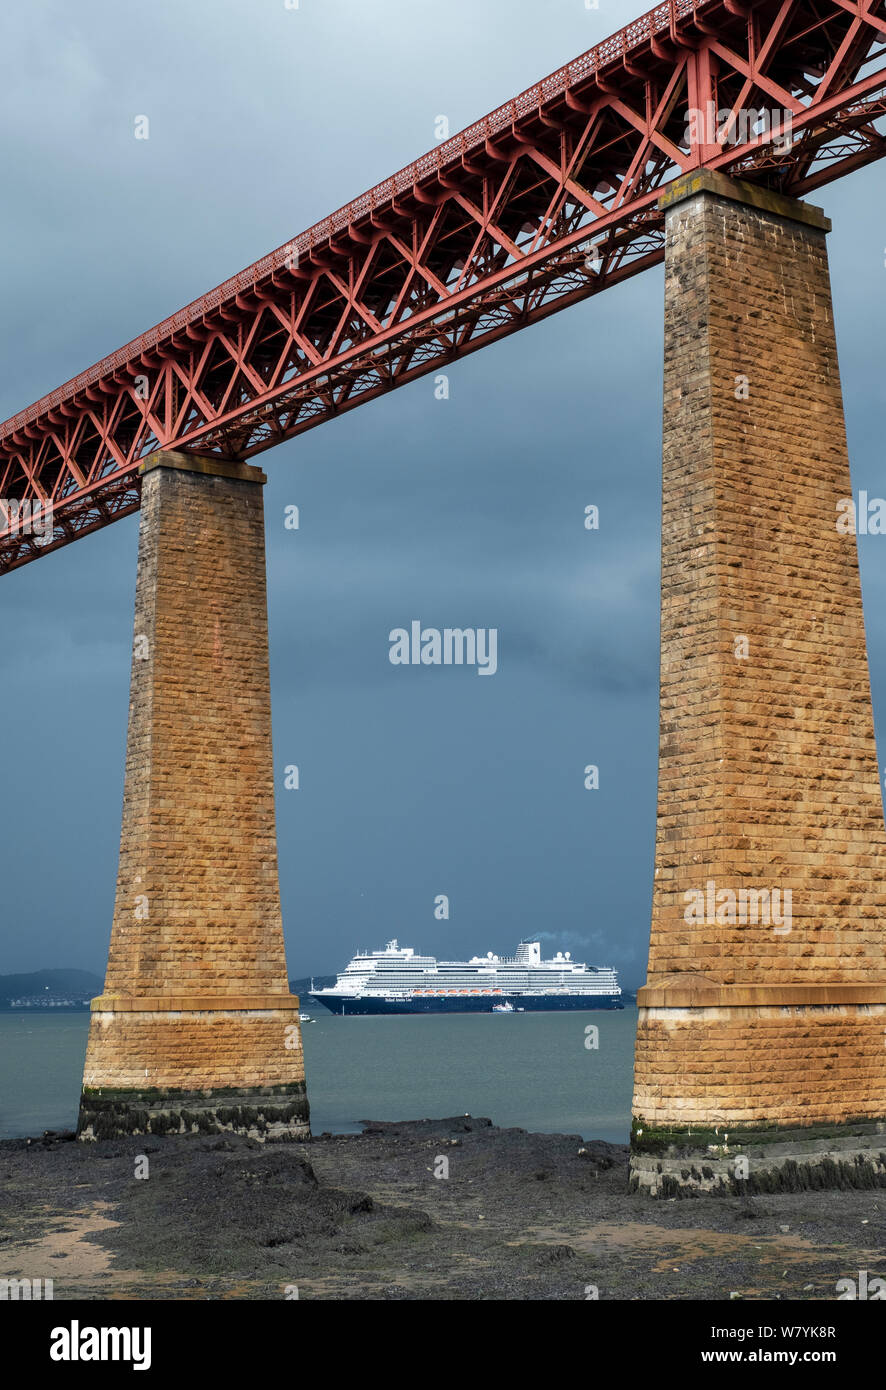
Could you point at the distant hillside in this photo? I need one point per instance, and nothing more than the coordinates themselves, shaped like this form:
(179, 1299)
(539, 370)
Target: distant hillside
(302, 987)
(79, 983)
(83, 984)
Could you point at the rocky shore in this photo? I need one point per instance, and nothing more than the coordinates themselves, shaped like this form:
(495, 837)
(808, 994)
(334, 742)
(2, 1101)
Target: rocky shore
(429, 1210)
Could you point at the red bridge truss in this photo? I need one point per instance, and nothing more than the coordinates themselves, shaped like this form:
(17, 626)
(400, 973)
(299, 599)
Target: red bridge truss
(546, 201)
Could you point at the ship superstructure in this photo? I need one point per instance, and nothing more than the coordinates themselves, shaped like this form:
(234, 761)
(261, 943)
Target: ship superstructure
(399, 981)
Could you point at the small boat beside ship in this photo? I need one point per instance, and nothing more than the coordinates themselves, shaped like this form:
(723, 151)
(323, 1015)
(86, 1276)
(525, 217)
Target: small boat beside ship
(398, 981)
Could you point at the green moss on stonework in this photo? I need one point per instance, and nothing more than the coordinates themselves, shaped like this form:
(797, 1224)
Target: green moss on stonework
(860, 1174)
(165, 1124)
(152, 1093)
(121, 1115)
(113, 1124)
(691, 1139)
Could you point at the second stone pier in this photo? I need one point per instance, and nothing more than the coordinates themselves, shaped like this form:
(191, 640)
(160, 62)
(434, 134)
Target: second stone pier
(196, 1028)
(760, 1058)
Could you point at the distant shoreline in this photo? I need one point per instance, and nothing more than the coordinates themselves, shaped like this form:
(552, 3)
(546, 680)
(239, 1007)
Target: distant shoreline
(43, 1008)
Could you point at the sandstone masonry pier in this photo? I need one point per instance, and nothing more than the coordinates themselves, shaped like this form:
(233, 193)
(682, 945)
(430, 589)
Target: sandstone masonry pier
(196, 1028)
(759, 1039)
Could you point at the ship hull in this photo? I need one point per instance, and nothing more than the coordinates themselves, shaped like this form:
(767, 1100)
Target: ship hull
(469, 1004)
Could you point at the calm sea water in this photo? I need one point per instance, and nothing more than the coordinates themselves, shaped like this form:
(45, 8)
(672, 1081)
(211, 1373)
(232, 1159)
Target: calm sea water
(531, 1071)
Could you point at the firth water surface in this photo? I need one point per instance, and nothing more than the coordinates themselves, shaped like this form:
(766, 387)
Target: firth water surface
(529, 1071)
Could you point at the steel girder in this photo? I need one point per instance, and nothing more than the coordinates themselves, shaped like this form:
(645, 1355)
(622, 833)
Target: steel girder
(545, 202)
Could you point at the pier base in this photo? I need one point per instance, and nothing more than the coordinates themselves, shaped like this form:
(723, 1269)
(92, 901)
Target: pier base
(271, 1112)
(721, 1162)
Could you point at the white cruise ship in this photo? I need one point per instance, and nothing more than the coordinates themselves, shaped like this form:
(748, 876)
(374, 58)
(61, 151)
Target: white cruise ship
(397, 981)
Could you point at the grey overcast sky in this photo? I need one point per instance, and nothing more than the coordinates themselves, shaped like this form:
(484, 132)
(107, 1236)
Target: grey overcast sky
(467, 512)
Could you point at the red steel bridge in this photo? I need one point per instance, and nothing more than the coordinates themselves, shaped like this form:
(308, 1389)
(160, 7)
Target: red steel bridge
(542, 203)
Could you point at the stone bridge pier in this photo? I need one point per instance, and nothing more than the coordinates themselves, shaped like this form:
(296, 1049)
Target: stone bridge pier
(196, 1028)
(761, 1050)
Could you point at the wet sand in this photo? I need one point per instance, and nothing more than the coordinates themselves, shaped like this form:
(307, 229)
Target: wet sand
(520, 1216)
